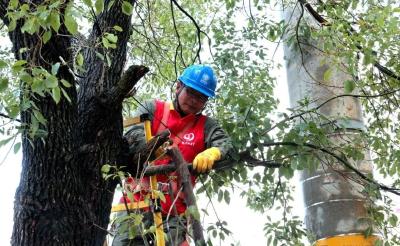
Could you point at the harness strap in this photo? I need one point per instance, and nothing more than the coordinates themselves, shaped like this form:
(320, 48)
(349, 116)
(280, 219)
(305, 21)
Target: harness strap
(131, 206)
(164, 121)
(177, 138)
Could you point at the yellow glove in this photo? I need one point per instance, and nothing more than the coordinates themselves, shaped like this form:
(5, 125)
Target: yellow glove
(204, 161)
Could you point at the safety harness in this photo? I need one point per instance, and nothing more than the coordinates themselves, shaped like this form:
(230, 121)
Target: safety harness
(161, 121)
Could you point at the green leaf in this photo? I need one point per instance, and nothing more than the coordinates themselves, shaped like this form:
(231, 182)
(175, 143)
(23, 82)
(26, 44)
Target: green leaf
(227, 197)
(54, 19)
(39, 116)
(46, 36)
(220, 195)
(51, 81)
(30, 26)
(3, 64)
(12, 25)
(99, 5)
(108, 60)
(13, 4)
(105, 42)
(66, 95)
(70, 22)
(26, 77)
(88, 3)
(118, 28)
(194, 212)
(5, 141)
(327, 74)
(105, 168)
(3, 84)
(17, 146)
(65, 83)
(99, 55)
(18, 65)
(55, 93)
(12, 111)
(111, 37)
(79, 59)
(54, 68)
(127, 8)
(38, 86)
(349, 86)
(393, 220)
(110, 4)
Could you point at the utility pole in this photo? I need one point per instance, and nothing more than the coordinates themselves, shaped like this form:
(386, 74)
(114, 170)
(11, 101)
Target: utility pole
(334, 203)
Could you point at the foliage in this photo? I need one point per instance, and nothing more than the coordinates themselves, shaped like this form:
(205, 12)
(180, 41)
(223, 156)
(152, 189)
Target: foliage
(239, 39)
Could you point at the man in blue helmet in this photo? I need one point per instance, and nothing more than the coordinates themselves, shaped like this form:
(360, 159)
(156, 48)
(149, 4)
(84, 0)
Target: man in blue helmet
(199, 138)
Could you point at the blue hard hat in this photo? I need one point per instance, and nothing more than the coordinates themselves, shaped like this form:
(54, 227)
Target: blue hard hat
(201, 78)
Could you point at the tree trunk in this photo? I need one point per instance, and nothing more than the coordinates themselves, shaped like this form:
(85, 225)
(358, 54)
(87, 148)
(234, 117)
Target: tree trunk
(62, 198)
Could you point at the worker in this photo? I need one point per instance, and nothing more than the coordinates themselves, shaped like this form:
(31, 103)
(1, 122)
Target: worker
(200, 140)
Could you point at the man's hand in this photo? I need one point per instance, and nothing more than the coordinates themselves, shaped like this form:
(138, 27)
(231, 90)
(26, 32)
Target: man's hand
(204, 161)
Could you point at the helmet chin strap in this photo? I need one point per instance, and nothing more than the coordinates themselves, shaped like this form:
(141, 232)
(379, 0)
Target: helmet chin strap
(178, 106)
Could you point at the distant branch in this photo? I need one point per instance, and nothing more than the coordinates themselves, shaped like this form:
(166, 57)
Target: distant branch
(340, 159)
(253, 162)
(327, 101)
(324, 22)
(197, 28)
(314, 13)
(8, 117)
(179, 47)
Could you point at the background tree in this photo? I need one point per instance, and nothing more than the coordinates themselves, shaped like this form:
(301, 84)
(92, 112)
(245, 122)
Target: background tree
(63, 92)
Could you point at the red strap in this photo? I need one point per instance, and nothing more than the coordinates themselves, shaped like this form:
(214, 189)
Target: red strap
(177, 139)
(164, 120)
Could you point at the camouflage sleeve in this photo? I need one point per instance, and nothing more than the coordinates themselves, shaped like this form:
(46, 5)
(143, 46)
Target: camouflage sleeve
(215, 136)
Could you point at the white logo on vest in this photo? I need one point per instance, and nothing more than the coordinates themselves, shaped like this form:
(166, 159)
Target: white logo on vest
(189, 136)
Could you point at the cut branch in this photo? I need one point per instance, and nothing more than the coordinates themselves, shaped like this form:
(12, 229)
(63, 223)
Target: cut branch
(185, 180)
(126, 83)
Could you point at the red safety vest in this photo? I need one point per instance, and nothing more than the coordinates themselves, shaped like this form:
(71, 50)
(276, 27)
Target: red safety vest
(188, 133)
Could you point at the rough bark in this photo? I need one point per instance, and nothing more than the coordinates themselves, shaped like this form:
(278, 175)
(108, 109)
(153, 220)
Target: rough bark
(62, 198)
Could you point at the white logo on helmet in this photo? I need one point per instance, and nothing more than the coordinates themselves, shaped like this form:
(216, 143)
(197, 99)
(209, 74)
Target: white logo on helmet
(188, 136)
(204, 79)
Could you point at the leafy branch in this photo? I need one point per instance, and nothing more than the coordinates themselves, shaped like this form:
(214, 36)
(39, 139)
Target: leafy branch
(321, 20)
(340, 159)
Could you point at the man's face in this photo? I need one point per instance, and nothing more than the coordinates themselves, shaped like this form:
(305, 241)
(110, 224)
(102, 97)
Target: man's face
(190, 100)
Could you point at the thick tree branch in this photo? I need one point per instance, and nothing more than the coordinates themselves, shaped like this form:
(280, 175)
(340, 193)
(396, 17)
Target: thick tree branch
(128, 80)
